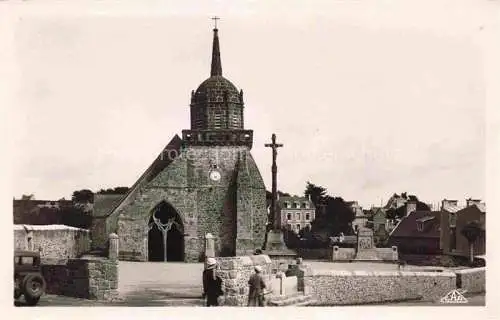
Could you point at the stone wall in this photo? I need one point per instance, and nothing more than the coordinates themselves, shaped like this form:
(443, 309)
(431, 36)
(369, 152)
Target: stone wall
(343, 254)
(54, 241)
(315, 254)
(235, 273)
(95, 279)
(331, 287)
(348, 254)
(472, 280)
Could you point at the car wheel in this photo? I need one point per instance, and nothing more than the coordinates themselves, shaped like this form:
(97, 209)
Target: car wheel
(31, 301)
(17, 293)
(33, 286)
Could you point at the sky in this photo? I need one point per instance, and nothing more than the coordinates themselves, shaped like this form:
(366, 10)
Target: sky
(368, 98)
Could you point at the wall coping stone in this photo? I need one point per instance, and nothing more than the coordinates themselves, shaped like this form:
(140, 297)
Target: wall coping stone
(472, 270)
(362, 273)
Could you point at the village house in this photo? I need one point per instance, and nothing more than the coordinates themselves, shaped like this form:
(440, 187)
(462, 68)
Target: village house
(418, 232)
(379, 223)
(453, 221)
(296, 212)
(360, 219)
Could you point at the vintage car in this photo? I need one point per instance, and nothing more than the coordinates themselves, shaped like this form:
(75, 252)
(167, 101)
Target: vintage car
(28, 279)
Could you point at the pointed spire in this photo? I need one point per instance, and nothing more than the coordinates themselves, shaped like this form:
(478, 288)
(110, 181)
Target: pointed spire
(216, 63)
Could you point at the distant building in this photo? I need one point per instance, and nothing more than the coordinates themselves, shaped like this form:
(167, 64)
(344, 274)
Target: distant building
(417, 233)
(296, 212)
(452, 223)
(360, 219)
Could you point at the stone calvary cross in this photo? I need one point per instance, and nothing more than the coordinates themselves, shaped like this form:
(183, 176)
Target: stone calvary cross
(275, 220)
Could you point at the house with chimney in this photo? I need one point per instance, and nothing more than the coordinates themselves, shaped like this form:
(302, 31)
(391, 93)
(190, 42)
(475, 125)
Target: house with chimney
(454, 219)
(418, 232)
(360, 219)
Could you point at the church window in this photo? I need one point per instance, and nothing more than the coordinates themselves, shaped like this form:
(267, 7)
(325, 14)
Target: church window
(420, 226)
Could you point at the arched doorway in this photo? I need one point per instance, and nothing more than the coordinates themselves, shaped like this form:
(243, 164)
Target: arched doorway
(166, 234)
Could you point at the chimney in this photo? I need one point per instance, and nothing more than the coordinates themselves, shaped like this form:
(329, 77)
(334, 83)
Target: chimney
(449, 203)
(471, 202)
(411, 206)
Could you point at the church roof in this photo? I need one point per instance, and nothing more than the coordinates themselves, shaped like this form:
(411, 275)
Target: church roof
(104, 203)
(169, 153)
(214, 88)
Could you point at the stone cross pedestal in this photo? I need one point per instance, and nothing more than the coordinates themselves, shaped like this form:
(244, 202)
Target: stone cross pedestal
(365, 246)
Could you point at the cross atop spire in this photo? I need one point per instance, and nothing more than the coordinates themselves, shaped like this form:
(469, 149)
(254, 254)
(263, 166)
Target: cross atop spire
(216, 69)
(215, 18)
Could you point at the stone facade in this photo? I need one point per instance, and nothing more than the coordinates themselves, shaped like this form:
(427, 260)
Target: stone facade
(235, 273)
(231, 209)
(331, 287)
(53, 241)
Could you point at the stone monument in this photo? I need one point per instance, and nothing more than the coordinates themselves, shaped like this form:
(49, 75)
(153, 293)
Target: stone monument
(365, 249)
(275, 245)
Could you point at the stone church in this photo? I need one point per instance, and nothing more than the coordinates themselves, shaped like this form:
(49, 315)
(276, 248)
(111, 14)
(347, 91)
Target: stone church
(204, 182)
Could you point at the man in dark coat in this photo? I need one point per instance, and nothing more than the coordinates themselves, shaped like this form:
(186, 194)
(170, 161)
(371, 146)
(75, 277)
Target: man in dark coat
(256, 290)
(212, 284)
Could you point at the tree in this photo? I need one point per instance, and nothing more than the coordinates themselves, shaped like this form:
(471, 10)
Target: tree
(116, 190)
(399, 213)
(83, 196)
(471, 231)
(336, 218)
(317, 193)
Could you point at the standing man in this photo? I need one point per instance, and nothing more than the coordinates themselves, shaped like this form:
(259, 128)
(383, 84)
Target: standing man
(257, 286)
(212, 284)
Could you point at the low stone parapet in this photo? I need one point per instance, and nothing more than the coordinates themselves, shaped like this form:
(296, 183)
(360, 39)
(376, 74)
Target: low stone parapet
(331, 287)
(472, 280)
(94, 279)
(349, 254)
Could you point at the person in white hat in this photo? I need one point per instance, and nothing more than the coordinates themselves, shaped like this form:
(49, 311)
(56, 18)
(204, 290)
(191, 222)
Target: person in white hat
(212, 284)
(256, 290)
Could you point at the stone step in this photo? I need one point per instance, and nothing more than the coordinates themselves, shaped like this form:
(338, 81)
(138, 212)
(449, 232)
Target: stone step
(293, 300)
(276, 298)
(186, 302)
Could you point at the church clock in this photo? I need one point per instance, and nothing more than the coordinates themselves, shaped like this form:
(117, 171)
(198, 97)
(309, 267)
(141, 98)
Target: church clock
(215, 175)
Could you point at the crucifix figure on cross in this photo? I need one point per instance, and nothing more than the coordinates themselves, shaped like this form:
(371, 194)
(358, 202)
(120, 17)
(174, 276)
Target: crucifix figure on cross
(275, 220)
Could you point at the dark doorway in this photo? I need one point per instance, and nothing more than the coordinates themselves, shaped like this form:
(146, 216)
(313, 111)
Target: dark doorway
(174, 231)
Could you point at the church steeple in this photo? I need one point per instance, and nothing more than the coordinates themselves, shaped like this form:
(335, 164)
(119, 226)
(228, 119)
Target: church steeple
(216, 69)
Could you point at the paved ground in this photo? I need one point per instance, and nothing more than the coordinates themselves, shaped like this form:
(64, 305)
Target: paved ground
(164, 284)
